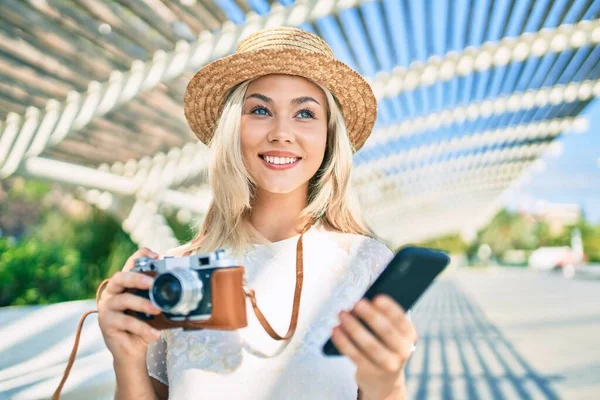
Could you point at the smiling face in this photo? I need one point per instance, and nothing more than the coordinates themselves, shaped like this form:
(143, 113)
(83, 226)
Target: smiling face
(283, 132)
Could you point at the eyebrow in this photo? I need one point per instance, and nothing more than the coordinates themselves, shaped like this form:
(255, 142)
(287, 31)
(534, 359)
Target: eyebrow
(296, 101)
(304, 99)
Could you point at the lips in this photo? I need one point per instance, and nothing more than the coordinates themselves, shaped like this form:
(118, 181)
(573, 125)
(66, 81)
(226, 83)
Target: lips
(278, 153)
(279, 160)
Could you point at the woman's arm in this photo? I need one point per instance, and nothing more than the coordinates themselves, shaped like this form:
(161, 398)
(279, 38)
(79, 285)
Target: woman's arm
(133, 382)
(398, 393)
(381, 352)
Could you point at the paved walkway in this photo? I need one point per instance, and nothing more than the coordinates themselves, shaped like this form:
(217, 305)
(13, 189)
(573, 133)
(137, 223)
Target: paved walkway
(484, 334)
(463, 355)
(552, 322)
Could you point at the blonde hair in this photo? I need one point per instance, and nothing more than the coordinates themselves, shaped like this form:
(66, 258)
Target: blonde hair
(331, 199)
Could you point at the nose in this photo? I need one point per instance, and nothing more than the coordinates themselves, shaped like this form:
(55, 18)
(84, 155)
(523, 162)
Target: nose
(282, 131)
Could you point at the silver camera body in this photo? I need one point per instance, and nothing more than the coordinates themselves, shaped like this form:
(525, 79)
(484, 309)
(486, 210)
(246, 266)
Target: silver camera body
(181, 288)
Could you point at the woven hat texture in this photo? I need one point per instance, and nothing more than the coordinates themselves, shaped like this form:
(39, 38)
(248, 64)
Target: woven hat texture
(283, 50)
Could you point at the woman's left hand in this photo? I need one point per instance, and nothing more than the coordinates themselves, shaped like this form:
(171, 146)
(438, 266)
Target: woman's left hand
(380, 356)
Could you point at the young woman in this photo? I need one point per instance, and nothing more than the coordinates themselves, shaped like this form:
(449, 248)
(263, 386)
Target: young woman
(282, 118)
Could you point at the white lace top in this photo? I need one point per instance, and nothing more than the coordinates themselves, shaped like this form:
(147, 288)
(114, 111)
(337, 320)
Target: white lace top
(247, 363)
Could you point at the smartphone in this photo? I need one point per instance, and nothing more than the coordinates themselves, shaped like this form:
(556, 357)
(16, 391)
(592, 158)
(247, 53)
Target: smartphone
(404, 279)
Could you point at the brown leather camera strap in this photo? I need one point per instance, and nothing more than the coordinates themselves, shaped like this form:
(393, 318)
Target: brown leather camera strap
(297, 294)
(73, 354)
(249, 292)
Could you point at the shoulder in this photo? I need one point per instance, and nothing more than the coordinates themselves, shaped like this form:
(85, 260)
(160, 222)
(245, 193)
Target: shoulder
(371, 250)
(362, 246)
(364, 252)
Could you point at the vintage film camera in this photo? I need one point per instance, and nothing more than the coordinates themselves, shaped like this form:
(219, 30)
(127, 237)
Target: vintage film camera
(194, 292)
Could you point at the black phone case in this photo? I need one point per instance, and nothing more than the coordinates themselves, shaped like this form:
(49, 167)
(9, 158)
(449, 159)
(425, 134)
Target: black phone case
(405, 279)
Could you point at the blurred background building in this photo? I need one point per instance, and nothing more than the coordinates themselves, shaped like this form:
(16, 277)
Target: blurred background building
(486, 144)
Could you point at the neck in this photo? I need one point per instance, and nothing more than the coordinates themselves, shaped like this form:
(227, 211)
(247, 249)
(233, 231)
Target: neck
(277, 216)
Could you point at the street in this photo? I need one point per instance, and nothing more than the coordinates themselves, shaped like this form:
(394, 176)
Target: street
(507, 333)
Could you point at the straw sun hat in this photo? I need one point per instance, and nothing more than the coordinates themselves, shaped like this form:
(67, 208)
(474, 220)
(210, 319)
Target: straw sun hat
(284, 50)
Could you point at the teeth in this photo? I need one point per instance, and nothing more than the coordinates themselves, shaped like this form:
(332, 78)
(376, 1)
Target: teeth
(280, 160)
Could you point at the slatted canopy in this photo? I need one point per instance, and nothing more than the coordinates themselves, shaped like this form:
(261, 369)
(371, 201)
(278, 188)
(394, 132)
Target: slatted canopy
(471, 94)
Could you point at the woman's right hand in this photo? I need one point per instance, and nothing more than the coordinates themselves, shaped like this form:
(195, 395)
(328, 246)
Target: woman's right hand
(127, 337)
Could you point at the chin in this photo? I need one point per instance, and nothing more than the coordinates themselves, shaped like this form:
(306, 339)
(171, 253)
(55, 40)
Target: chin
(279, 187)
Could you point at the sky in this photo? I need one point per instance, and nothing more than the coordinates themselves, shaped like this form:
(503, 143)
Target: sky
(570, 177)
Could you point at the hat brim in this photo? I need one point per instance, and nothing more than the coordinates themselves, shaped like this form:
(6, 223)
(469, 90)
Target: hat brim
(205, 94)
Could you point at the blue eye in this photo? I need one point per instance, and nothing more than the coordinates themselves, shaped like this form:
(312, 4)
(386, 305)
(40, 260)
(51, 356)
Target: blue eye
(305, 114)
(259, 111)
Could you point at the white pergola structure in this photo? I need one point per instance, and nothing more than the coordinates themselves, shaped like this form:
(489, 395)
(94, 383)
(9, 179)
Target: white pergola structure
(470, 96)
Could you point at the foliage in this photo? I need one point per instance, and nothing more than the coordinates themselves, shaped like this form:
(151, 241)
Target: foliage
(183, 232)
(33, 272)
(511, 230)
(20, 203)
(60, 256)
(452, 244)
(62, 259)
(591, 240)
(508, 230)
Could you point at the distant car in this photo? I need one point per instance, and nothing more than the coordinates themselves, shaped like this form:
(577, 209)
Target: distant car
(548, 258)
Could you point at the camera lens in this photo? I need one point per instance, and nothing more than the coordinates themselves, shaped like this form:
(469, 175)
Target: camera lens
(177, 292)
(166, 291)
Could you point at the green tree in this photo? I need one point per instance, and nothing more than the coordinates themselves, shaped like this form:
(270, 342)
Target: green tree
(183, 232)
(590, 236)
(502, 231)
(35, 272)
(56, 256)
(453, 244)
(510, 230)
(52, 251)
(21, 205)
(62, 259)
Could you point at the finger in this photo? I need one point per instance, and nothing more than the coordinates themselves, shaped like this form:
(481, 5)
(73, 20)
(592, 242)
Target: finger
(406, 351)
(143, 252)
(123, 322)
(366, 342)
(385, 329)
(346, 347)
(129, 301)
(121, 281)
(389, 307)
